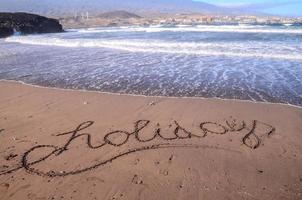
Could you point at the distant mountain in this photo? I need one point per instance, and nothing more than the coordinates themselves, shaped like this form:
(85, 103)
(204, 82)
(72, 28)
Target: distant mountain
(57, 7)
(119, 14)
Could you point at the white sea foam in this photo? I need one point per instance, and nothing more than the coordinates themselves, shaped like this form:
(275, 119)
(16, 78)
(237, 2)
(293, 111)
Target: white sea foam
(179, 63)
(199, 28)
(245, 49)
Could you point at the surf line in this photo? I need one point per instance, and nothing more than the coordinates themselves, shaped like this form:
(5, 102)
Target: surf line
(251, 140)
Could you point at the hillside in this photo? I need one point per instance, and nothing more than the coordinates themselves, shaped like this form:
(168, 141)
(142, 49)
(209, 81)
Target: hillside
(119, 14)
(60, 7)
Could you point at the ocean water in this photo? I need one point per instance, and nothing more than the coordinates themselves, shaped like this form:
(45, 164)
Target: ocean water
(258, 63)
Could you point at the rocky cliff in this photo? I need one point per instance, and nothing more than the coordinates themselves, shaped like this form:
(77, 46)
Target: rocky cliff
(26, 23)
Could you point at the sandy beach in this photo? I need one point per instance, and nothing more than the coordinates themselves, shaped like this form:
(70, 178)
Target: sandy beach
(62, 144)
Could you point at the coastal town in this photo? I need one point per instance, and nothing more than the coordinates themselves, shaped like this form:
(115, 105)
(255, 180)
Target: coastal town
(124, 18)
(204, 19)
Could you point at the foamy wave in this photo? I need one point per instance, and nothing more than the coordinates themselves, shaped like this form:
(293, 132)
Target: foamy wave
(200, 28)
(151, 46)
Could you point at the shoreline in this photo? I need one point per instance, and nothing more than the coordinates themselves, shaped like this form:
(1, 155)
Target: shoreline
(146, 96)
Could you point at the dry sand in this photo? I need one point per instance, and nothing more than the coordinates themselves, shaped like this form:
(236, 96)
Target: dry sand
(57, 144)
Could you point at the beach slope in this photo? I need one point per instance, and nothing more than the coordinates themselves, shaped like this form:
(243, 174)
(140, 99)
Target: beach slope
(62, 144)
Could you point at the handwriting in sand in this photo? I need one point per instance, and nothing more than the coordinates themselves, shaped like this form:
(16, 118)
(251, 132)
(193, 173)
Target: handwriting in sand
(250, 139)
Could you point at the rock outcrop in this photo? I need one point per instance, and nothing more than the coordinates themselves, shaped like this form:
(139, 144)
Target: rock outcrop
(6, 31)
(26, 23)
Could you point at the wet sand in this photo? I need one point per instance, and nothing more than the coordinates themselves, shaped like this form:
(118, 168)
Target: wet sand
(60, 144)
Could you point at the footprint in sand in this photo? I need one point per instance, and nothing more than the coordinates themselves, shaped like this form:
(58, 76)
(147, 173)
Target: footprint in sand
(137, 180)
(95, 180)
(164, 172)
(171, 159)
(136, 161)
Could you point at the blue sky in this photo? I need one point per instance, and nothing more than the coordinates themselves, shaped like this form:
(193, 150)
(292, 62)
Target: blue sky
(279, 7)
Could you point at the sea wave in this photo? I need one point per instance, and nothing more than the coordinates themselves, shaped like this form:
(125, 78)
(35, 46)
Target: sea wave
(199, 28)
(263, 50)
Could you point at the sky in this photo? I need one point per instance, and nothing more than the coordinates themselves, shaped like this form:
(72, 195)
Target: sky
(278, 7)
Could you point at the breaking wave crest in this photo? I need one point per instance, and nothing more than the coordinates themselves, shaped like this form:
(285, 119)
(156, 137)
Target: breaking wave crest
(238, 49)
(200, 28)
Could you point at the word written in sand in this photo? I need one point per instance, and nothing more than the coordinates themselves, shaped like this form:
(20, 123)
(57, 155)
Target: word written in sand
(157, 140)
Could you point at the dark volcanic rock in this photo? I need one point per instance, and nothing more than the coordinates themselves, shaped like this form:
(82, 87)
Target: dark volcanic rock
(6, 31)
(27, 23)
